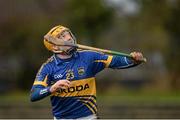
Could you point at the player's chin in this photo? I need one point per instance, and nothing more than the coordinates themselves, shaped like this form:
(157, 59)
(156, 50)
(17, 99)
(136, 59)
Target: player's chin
(66, 47)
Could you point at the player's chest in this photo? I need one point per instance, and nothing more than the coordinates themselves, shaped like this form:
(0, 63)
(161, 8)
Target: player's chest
(71, 71)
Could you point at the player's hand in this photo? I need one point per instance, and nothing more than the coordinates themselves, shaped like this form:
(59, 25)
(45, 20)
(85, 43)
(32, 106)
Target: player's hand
(137, 57)
(61, 84)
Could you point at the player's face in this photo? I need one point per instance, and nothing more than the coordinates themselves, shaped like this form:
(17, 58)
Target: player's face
(66, 36)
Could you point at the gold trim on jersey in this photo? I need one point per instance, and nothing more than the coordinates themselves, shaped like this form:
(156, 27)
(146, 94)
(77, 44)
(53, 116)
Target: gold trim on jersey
(78, 88)
(106, 62)
(92, 109)
(90, 102)
(43, 82)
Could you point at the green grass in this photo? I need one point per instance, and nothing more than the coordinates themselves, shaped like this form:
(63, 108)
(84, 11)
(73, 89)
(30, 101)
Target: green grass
(131, 97)
(20, 97)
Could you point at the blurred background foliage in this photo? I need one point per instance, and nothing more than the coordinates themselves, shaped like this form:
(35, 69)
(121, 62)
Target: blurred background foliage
(149, 26)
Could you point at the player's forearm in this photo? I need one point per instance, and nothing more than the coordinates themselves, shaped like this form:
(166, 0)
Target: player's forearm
(39, 93)
(119, 62)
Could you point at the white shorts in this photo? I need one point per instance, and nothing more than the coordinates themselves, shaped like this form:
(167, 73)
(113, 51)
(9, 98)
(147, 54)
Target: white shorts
(90, 117)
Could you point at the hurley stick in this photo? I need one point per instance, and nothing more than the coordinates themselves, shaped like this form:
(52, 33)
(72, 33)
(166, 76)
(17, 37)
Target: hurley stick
(110, 52)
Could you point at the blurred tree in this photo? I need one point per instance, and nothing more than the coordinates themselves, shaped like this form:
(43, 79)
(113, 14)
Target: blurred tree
(173, 27)
(89, 18)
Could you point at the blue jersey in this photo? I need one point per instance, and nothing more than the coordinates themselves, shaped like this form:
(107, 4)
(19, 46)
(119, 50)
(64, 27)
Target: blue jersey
(79, 100)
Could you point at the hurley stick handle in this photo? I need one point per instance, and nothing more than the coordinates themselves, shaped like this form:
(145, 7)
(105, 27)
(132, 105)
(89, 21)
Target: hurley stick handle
(84, 47)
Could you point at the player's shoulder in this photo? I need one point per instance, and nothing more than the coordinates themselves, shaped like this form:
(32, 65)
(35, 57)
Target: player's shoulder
(47, 66)
(89, 53)
(49, 61)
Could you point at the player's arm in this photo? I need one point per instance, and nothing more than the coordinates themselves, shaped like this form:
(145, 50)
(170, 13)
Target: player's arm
(120, 62)
(41, 87)
(39, 92)
(101, 61)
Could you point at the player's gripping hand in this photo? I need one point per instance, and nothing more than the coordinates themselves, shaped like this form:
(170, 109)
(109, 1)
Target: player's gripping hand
(137, 57)
(61, 84)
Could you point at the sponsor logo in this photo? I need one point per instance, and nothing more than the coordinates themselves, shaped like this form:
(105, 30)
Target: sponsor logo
(74, 89)
(58, 76)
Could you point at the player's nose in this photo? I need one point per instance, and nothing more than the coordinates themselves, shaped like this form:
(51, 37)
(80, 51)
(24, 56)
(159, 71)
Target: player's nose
(68, 37)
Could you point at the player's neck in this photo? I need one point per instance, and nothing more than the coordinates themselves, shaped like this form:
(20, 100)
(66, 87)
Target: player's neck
(64, 56)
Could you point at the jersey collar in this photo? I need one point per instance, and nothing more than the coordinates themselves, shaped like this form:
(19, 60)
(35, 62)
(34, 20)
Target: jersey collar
(59, 60)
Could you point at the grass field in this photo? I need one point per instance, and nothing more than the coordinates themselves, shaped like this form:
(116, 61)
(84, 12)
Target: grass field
(123, 105)
(169, 97)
